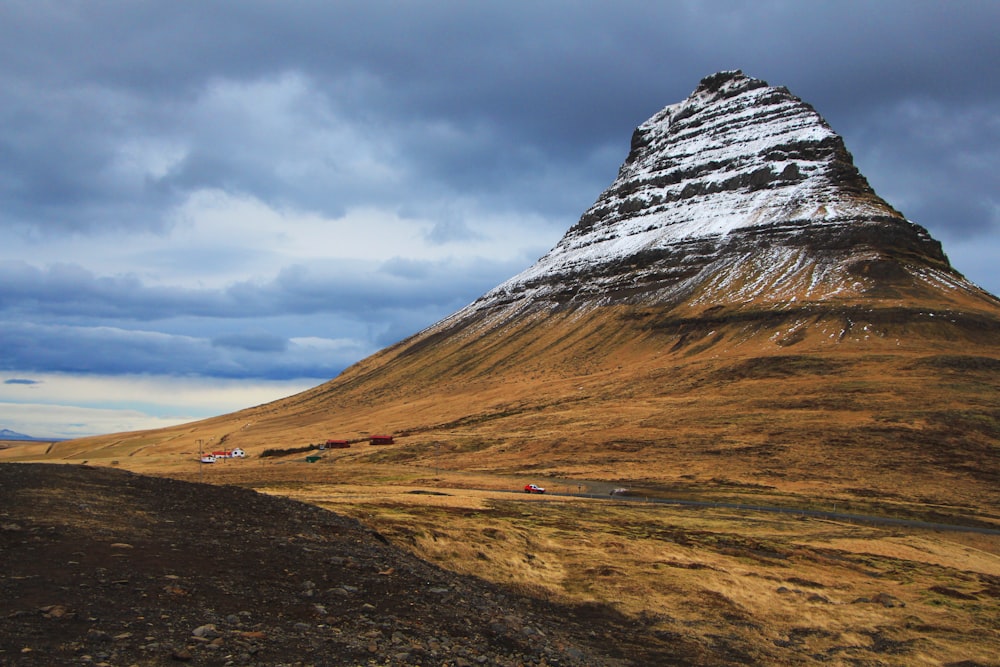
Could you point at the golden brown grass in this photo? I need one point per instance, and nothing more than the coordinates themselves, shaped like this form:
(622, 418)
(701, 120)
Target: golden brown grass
(780, 589)
(888, 412)
(902, 412)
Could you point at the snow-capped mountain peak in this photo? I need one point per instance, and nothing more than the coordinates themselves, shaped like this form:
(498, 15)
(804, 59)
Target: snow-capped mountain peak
(741, 191)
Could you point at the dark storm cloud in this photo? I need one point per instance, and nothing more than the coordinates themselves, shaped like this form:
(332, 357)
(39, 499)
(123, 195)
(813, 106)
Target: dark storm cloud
(113, 351)
(501, 101)
(23, 381)
(958, 196)
(252, 342)
(113, 114)
(64, 348)
(82, 323)
(67, 291)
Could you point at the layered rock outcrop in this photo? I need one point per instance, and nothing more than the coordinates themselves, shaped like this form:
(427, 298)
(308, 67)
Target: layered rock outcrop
(742, 193)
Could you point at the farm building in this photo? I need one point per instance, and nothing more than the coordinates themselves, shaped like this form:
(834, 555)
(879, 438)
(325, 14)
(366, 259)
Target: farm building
(229, 454)
(381, 440)
(336, 444)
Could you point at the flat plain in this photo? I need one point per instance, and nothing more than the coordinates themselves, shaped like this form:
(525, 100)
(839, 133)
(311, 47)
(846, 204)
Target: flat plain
(764, 587)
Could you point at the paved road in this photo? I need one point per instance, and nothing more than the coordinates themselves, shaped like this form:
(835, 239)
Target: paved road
(822, 514)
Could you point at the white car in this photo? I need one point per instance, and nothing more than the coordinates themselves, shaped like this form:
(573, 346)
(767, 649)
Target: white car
(533, 488)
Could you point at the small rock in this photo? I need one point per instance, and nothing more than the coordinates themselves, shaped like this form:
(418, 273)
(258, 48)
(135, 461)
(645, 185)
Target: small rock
(53, 611)
(95, 635)
(181, 655)
(887, 600)
(206, 631)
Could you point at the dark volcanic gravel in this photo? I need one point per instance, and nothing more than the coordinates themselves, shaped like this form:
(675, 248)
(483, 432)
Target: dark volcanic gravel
(104, 567)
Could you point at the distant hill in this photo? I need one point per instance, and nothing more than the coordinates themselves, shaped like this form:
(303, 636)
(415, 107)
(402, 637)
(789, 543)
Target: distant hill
(7, 434)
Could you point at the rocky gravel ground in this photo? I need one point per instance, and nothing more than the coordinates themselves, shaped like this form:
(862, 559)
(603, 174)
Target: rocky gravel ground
(104, 567)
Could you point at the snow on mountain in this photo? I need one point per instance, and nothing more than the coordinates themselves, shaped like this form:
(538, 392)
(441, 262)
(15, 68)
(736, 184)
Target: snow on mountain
(740, 192)
(735, 154)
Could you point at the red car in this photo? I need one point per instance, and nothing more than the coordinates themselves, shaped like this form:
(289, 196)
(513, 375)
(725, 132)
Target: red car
(533, 488)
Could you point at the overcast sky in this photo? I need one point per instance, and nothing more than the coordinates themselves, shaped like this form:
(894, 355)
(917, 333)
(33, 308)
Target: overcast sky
(208, 205)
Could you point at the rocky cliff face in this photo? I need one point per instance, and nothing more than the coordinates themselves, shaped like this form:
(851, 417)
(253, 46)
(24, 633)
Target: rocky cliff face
(740, 194)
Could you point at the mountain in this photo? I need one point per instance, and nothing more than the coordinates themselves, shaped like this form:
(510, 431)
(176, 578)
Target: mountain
(739, 195)
(739, 309)
(7, 434)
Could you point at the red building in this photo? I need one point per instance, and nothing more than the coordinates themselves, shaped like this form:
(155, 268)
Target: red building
(381, 439)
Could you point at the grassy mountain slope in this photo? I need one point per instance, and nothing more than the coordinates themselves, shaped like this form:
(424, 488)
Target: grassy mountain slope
(893, 398)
